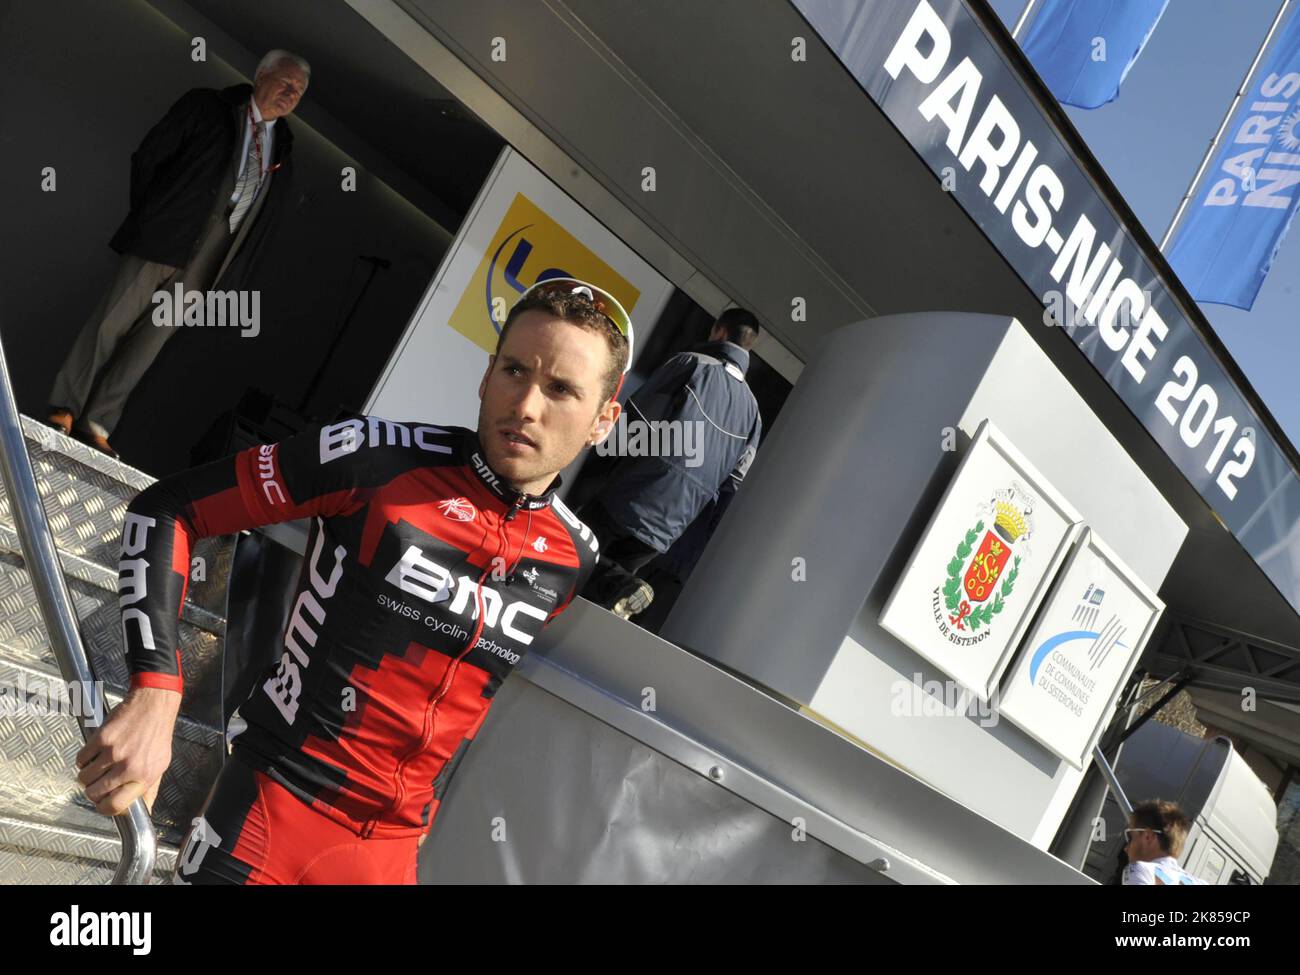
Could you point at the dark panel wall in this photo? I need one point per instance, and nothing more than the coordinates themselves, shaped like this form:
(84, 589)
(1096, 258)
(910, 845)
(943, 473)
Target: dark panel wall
(80, 84)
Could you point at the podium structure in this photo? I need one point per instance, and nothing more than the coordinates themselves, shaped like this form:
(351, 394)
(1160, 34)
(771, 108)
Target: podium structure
(791, 590)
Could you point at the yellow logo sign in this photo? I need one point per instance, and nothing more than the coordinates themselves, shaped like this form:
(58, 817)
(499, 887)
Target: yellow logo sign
(528, 246)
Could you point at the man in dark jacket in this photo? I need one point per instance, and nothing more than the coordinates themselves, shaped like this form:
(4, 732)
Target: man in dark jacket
(206, 185)
(688, 437)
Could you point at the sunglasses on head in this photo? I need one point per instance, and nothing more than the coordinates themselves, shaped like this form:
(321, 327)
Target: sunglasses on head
(604, 302)
(1128, 833)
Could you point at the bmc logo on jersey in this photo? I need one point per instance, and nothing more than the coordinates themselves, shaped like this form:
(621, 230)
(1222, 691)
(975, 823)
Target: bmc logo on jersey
(419, 575)
(285, 687)
(348, 436)
(485, 472)
(266, 475)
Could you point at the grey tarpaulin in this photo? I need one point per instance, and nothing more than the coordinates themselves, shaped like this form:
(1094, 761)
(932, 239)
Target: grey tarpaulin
(573, 800)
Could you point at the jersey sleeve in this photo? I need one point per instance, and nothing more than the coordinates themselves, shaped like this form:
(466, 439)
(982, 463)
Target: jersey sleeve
(584, 576)
(320, 472)
(580, 581)
(587, 546)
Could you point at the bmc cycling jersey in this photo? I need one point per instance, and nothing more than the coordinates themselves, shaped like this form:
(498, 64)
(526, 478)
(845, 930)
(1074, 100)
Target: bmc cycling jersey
(426, 579)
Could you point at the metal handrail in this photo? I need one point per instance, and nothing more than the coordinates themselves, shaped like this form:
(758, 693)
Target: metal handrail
(139, 844)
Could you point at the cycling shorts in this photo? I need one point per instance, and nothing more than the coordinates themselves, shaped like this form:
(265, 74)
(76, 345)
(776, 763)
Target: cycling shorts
(254, 831)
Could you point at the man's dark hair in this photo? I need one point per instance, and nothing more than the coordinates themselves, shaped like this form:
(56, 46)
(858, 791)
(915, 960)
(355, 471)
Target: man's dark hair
(740, 325)
(1169, 818)
(577, 310)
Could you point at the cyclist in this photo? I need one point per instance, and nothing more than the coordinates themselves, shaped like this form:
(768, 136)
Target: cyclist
(435, 556)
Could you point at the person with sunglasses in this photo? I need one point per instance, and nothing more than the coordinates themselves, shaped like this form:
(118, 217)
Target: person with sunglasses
(1153, 842)
(436, 554)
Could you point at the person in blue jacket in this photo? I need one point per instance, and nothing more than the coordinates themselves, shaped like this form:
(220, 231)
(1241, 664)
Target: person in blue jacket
(691, 432)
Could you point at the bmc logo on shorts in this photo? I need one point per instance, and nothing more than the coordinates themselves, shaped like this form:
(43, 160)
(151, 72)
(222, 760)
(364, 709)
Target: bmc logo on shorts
(202, 837)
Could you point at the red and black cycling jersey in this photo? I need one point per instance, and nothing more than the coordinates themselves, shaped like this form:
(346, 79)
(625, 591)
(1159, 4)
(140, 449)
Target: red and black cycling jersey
(425, 580)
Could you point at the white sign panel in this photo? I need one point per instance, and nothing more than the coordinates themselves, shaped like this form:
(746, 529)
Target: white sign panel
(1083, 647)
(521, 229)
(983, 564)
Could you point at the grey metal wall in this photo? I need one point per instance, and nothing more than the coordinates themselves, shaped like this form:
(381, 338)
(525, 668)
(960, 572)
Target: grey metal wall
(550, 794)
(615, 747)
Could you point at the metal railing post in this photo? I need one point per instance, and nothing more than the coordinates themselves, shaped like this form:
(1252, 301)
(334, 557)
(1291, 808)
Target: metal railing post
(1112, 782)
(139, 845)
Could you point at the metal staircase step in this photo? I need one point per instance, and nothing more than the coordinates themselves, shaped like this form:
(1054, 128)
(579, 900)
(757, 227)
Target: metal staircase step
(49, 831)
(38, 747)
(39, 853)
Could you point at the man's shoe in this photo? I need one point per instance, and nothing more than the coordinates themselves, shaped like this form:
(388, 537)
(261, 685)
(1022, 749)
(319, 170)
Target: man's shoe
(99, 443)
(61, 420)
(636, 598)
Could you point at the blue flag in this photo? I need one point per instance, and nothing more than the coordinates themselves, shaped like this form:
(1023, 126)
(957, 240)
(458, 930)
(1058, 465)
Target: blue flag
(1083, 49)
(1248, 196)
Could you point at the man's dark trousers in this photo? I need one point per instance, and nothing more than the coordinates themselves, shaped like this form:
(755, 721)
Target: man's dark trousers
(120, 341)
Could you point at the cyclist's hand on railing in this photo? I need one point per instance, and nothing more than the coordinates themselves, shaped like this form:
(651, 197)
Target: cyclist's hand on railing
(126, 758)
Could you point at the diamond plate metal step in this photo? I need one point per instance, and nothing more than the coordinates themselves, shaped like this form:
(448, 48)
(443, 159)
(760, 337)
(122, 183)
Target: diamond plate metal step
(49, 831)
(38, 853)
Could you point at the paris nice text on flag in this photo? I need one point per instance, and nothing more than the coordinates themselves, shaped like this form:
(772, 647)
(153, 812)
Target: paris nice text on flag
(1248, 196)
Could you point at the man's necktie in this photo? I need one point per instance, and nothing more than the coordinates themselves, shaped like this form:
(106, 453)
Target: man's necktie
(250, 180)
